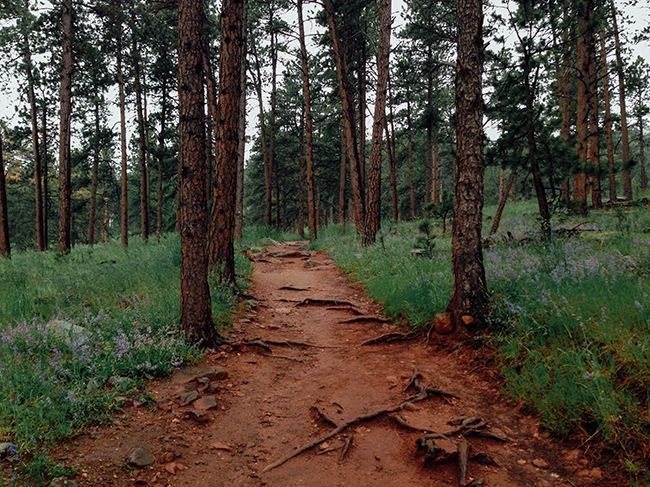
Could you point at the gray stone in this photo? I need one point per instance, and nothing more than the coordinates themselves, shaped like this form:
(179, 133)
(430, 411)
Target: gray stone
(189, 397)
(69, 333)
(270, 241)
(122, 384)
(5, 449)
(139, 457)
(212, 373)
(61, 482)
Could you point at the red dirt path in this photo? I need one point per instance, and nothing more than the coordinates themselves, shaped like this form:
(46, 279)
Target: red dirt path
(265, 406)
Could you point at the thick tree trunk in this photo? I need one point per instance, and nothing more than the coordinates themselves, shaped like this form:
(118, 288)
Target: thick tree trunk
(348, 119)
(373, 212)
(593, 146)
(469, 296)
(436, 168)
(565, 99)
(65, 161)
(582, 121)
(241, 147)
(124, 201)
(144, 213)
(5, 247)
(362, 84)
(196, 311)
(608, 119)
(301, 195)
(93, 189)
(212, 103)
(502, 201)
(625, 138)
(392, 170)
(224, 197)
(273, 163)
(501, 185)
(309, 137)
(40, 240)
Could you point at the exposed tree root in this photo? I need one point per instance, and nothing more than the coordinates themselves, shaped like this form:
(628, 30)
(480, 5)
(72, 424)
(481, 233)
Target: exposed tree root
(463, 459)
(346, 447)
(424, 393)
(273, 355)
(391, 337)
(265, 344)
(324, 416)
(323, 302)
(291, 288)
(344, 308)
(330, 449)
(362, 319)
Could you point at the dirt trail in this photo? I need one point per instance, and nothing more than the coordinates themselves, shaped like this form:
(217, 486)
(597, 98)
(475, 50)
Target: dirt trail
(265, 408)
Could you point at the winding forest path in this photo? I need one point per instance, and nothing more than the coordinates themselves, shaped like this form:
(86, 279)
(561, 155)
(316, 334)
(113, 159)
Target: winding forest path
(268, 405)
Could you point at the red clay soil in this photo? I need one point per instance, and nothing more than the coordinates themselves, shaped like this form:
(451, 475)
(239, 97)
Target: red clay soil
(267, 406)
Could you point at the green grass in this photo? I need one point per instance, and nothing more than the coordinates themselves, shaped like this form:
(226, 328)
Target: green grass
(570, 318)
(129, 302)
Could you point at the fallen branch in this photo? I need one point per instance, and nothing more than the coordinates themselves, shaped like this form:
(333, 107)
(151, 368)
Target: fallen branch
(463, 459)
(391, 337)
(330, 449)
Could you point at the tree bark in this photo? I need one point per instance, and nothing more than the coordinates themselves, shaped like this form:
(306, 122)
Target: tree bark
(241, 147)
(436, 168)
(409, 128)
(342, 181)
(348, 119)
(582, 121)
(46, 191)
(625, 138)
(124, 201)
(593, 146)
(608, 119)
(429, 156)
(40, 241)
(227, 148)
(361, 81)
(65, 170)
(390, 148)
(309, 137)
(212, 117)
(268, 173)
(274, 96)
(103, 228)
(144, 213)
(196, 311)
(373, 213)
(469, 296)
(642, 154)
(502, 201)
(161, 157)
(5, 247)
(565, 98)
(93, 189)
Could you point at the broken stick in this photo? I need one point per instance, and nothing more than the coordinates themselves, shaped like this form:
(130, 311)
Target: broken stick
(346, 447)
(463, 459)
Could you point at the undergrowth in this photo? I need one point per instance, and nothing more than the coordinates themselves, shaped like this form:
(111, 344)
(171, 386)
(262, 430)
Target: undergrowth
(127, 301)
(570, 317)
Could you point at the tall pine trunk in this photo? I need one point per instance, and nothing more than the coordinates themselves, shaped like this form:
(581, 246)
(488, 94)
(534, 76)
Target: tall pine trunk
(410, 151)
(222, 219)
(625, 138)
(342, 181)
(241, 148)
(65, 161)
(582, 120)
(373, 213)
(196, 311)
(93, 189)
(273, 163)
(469, 296)
(593, 146)
(642, 154)
(309, 137)
(124, 200)
(348, 119)
(45, 170)
(608, 119)
(5, 247)
(144, 213)
(564, 88)
(161, 156)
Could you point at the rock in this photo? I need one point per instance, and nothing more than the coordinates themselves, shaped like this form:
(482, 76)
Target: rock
(139, 457)
(206, 403)
(540, 463)
(69, 333)
(212, 373)
(122, 384)
(443, 324)
(594, 473)
(138, 401)
(94, 385)
(269, 241)
(199, 415)
(189, 397)
(61, 482)
(174, 467)
(409, 406)
(167, 457)
(469, 321)
(7, 449)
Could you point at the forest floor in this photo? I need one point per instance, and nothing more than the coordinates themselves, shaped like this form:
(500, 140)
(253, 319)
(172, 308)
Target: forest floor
(273, 403)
